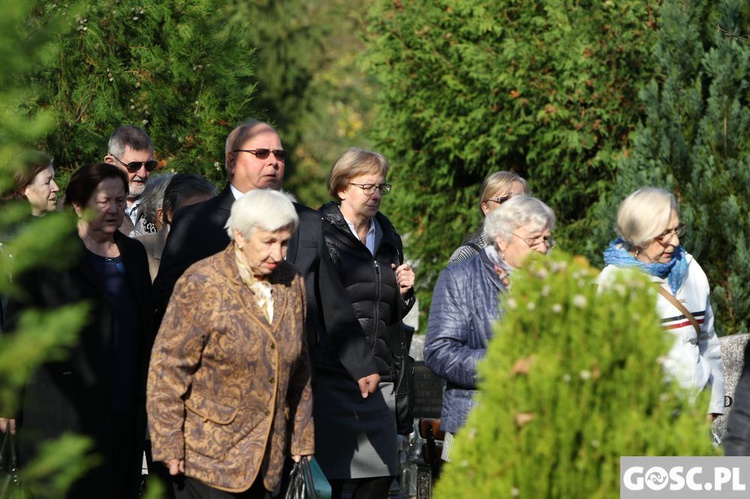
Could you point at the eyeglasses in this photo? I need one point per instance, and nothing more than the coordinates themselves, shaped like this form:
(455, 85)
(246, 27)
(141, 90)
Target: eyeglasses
(533, 243)
(501, 199)
(666, 236)
(264, 153)
(369, 189)
(134, 166)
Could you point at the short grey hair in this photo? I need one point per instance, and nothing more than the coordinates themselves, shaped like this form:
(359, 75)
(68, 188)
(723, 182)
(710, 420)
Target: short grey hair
(153, 196)
(129, 136)
(517, 212)
(645, 214)
(181, 188)
(265, 209)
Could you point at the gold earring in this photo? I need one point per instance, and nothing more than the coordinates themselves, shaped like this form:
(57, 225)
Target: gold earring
(635, 255)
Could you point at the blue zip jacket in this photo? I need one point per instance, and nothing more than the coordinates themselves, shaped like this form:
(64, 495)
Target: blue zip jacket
(464, 308)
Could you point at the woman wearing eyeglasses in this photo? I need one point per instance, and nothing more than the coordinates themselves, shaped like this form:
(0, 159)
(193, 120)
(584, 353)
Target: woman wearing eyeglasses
(649, 229)
(368, 290)
(466, 298)
(496, 189)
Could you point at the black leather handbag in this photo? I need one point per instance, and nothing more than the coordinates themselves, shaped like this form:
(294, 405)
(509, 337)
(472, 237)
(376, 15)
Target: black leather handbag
(403, 384)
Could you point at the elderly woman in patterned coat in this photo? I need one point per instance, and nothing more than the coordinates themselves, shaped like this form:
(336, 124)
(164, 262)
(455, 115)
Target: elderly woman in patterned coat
(230, 371)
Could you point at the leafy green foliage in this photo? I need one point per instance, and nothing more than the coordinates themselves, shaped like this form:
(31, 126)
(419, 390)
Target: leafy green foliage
(174, 68)
(26, 247)
(60, 463)
(26, 44)
(546, 89)
(571, 382)
(40, 337)
(309, 83)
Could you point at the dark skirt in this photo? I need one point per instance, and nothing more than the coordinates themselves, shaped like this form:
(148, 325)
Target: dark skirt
(354, 437)
(190, 488)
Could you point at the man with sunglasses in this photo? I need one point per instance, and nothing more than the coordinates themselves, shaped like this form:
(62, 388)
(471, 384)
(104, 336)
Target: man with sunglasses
(255, 159)
(130, 149)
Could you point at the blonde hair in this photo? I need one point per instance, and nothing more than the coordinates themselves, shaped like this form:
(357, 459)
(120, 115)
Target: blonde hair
(499, 182)
(644, 214)
(352, 163)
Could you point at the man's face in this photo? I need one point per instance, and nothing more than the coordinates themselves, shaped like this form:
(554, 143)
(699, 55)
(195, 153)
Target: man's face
(247, 171)
(136, 179)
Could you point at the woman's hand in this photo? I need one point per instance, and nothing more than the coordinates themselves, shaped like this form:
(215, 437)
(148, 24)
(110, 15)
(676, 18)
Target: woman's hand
(176, 466)
(6, 423)
(404, 277)
(297, 457)
(368, 384)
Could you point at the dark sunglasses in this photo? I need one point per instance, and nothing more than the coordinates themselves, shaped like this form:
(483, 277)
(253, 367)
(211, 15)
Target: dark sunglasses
(264, 153)
(134, 166)
(501, 199)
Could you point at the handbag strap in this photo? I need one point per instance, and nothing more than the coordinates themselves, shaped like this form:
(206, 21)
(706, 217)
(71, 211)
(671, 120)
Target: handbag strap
(674, 301)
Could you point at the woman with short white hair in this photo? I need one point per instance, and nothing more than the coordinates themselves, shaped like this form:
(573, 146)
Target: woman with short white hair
(466, 298)
(649, 230)
(230, 371)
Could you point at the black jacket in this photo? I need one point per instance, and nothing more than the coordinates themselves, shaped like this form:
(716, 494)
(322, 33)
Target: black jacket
(360, 299)
(197, 232)
(73, 394)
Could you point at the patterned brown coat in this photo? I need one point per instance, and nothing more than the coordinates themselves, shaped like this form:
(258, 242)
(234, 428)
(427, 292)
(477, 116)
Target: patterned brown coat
(224, 385)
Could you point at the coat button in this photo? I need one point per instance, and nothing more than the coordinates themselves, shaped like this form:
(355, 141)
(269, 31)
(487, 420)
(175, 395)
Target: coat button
(268, 413)
(273, 346)
(271, 380)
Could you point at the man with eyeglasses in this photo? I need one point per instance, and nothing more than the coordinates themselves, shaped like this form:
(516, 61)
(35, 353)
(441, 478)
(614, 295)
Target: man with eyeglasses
(255, 159)
(130, 149)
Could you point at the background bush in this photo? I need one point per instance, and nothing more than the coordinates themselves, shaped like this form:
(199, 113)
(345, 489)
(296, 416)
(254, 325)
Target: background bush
(588, 101)
(571, 382)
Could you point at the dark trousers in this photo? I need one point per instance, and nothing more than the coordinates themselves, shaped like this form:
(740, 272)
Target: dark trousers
(126, 456)
(365, 488)
(189, 488)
